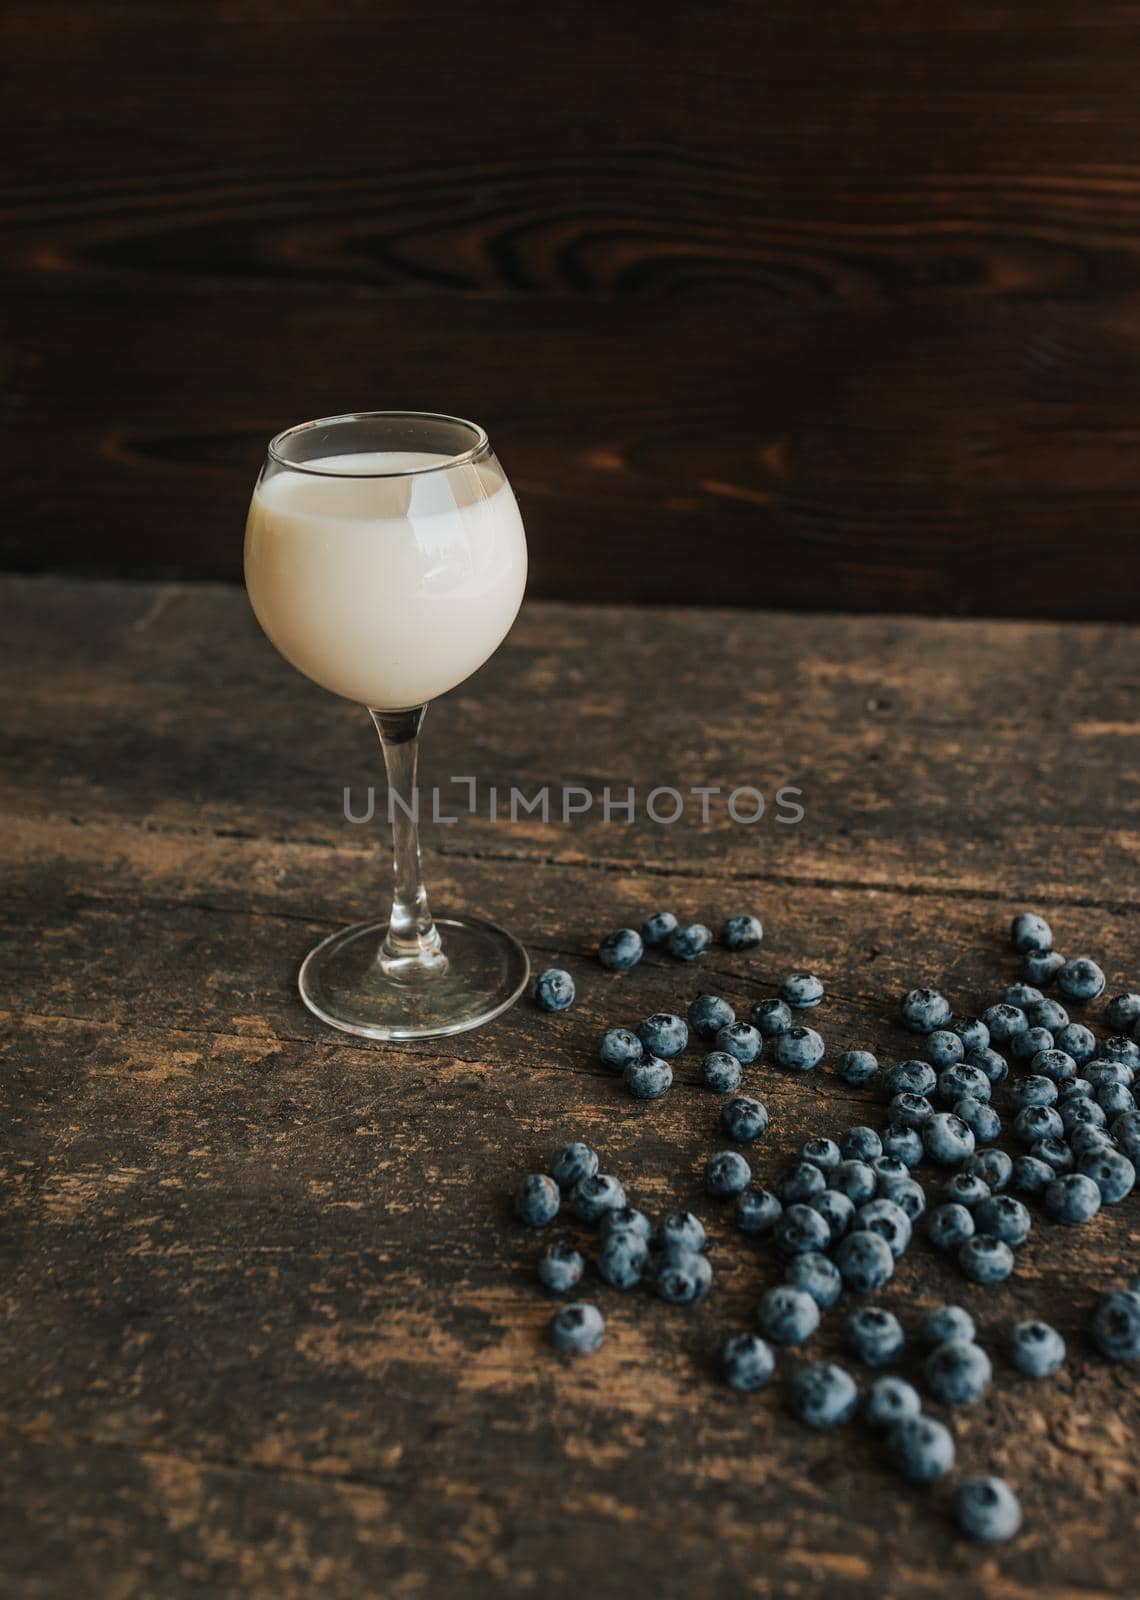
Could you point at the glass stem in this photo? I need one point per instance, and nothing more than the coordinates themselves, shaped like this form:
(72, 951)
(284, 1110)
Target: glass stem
(411, 951)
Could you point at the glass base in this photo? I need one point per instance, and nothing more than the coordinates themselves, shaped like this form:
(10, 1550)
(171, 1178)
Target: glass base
(342, 982)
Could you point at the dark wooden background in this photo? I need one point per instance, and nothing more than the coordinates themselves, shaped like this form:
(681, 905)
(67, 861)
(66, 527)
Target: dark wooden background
(781, 304)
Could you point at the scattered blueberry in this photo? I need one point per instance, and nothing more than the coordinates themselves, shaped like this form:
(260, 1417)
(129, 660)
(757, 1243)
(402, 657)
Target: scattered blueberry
(1033, 1090)
(945, 1323)
(1030, 932)
(924, 1010)
(964, 1189)
(596, 1194)
(971, 1030)
(860, 1144)
(994, 1065)
(823, 1395)
(1023, 995)
(740, 1039)
(747, 1362)
(981, 1118)
(621, 950)
(836, 1210)
(1081, 1112)
(802, 990)
(1031, 1176)
(799, 1049)
(757, 1211)
(1054, 1151)
(910, 1197)
(801, 1229)
(958, 1082)
(1005, 1022)
(1041, 966)
(945, 1048)
(537, 1200)
(889, 1172)
(1114, 1098)
(947, 1139)
(1111, 1171)
(648, 1079)
(910, 1077)
(620, 1048)
(985, 1259)
(855, 1179)
(1116, 1325)
(683, 1277)
(958, 1373)
(817, 1276)
(993, 1167)
(1076, 1041)
(802, 1182)
(625, 1219)
(741, 933)
(623, 1258)
(1033, 1042)
(655, 930)
(908, 1110)
(856, 1067)
(1036, 1349)
(889, 1221)
(1072, 1198)
(949, 1226)
(680, 1230)
(904, 1144)
(554, 990)
(988, 1510)
(561, 1267)
(787, 1315)
(822, 1153)
(889, 1401)
(1049, 1014)
(664, 1033)
(1080, 979)
(874, 1336)
(726, 1174)
(1033, 1123)
(771, 1017)
(921, 1448)
(1120, 1048)
(865, 1261)
(721, 1072)
(708, 1014)
(744, 1120)
(1004, 1217)
(1087, 1138)
(577, 1329)
(1123, 1012)
(686, 944)
(572, 1163)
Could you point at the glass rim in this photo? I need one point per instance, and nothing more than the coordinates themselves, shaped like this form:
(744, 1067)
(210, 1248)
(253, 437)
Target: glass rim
(481, 443)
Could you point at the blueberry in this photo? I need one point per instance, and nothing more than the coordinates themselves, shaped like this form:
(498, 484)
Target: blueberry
(910, 1077)
(620, 1048)
(1041, 966)
(1080, 979)
(1033, 1090)
(537, 1200)
(577, 1329)
(686, 944)
(747, 1362)
(855, 1179)
(958, 1082)
(1120, 1048)
(787, 1315)
(1116, 1325)
(626, 1219)
(949, 1226)
(921, 1448)
(1080, 1111)
(771, 1017)
(822, 1153)
(947, 1139)
(572, 1163)
(823, 1395)
(802, 990)
(801, 1229)
(889, 1221)
(655, 930)
(1054, 1151)
(1033, 1042)
(683, 1277)
(680, 1230)
(1004, 1217)
(889, 1401)
(1114, 1098)
(1123, 1012)
(908, 1110)
(924, 1010)
(1080, 1087)
(1033, 1123)
(994, 1168)
(860, 1144)
(817, 1276)
(1087, 1138)
(801, 1183)
(1022, 995)
(664, 1033)
(988, 1510)
(946, 1322)
(971, 1030)
(836, 1210)
(727, 1174)
(985, 1259)
(1005, 1022)
(1126, 1132)
(744, 1120)
(721, 1072)
(904, 1144)
(560, 1268)
(708, 1014)
(1077, 1041)
(621, 950)
(945, 1048)
(856, 1067)
(1029, 931)
(741, 933)
(1103, 1072)
(995, 1066)
(554, 990)
(964, 1189)
(596, 1194)
(648, 1079)
(799, 1049)
(865, 1261)
(1072, 1198)
(1031, 1176)
(1036, 1349)
(622, 1259)
(1112, 1172)
(1049, 1014)
(981, 1119)
(874, 1336)
(740, 1039)
(757, 1211)
(909, 1197)
(889, 1173)
(958, 1373)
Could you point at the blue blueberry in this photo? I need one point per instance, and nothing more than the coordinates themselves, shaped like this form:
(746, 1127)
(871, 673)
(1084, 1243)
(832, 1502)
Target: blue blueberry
(537, 1200)
(1075, 1086)
(1104, 1071)
(947, 1140)
(741, 933)
(865, 1261)
(1111, 1171)
(1004, 1217)
(1056, 1152)
(1029, 931)
(910, 1077)
(1005, 1022)
(620, 1048)
(1022, 995)
(623, 1259)
(817, 1276)
(799, 1049)
(708, 1014)
(921, 1448)
(802, 990)
(621, 950)
(958, 1373)
(1116, 1325)
(910, 1197)
(757, 1211)
(1121, 1048)
(771, 1017)
(889, 1221)
(577, 1330)
(648, 1079)
(945, 1048)
(964, 1188)
(889, 1401)
(787, 1316)
(1036, 1349)
(988, 1510)
(655, 930)
(874, 1336)
(744, 1120)
(1033, 1123)
(683, 1277)
(1087, 1138)
(981, 1119)
(1033, 1042)
(686, 944)
(1033, 1090)
(855, 1179)
(1114, 1098)
(554, 990)
(995, 1066)
(561, 1267)
(1072, 1198)
(958, 1082)
(1126, 1132)
(949, 1226)
(946, 1322)
(625, 1219)
(727, 1174)
(889, 1173)
(664, 1033)
(721, 1072)
(800, 1230)
(985, 1259)
(740, 1039)
(680, 1230)
(836, 1210)
(904, 1144)
(908, 1110)
(1079, 1112)
(856, 1067)
(802, 1182)
(823, 1395)
(1049, 1014)
(596, 1194)
(1123, 1013)
(994, 1168)
(1077, 1041)
(1081, 979)
(572, 1163)
(822, 1153)
(924, 1010)
(971, 1030)
(747, 1362)
(860, 1144)
(1041, 966)
(1031, 1176)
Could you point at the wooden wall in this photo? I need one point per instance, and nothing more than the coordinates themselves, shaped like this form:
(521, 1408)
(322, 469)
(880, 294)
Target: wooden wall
(771, 303)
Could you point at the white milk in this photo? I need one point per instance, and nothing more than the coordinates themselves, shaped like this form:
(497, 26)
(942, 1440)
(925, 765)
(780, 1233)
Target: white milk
(387, 590)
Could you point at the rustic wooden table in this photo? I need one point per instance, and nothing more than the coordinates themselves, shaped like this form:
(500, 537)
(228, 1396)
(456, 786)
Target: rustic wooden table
(268, 1326)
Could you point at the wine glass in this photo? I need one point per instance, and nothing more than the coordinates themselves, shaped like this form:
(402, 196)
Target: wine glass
(385, 558)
